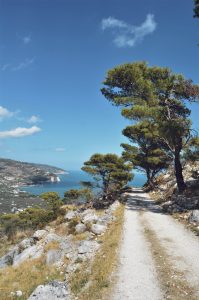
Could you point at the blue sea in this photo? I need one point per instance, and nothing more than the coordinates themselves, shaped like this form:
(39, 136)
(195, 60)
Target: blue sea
(72, 180)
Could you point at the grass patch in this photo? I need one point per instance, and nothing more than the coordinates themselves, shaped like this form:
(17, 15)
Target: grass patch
(54, 245)
(93, 282)
(172, 281)
(26, 278)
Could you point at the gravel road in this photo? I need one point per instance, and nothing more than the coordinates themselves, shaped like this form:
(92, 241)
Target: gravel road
(137, 275)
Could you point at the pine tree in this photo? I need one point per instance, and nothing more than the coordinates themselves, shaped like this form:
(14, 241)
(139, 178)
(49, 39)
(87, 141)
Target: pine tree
(145, 153)
(110, 171)
(157, 95)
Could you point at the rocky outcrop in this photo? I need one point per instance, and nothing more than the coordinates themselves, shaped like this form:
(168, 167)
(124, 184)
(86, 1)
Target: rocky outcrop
(55, 290)
(66, 252)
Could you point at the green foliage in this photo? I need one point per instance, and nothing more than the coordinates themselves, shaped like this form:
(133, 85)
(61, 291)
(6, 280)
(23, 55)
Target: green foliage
(72, 224)
(191, 152)
(196, 8)
(110, 171)
(155, 95)
(53, 200)
(30, 218)
(81, 195)
(147, 155)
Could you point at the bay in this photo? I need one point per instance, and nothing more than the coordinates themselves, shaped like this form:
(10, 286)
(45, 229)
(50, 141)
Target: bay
(72, 180)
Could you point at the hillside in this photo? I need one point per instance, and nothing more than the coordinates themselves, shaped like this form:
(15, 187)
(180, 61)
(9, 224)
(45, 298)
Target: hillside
(14, 174)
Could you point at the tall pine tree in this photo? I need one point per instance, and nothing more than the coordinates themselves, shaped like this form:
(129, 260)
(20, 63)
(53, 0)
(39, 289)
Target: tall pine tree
(156, 95)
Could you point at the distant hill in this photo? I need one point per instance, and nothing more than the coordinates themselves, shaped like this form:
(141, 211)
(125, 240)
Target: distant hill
(14, 174)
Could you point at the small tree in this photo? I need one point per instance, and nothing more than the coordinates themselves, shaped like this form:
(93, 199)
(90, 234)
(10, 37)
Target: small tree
(147, 154)
(110, 171)
(53, 200)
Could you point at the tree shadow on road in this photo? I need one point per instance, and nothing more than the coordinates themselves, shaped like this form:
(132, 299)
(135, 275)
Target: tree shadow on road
(140, 202)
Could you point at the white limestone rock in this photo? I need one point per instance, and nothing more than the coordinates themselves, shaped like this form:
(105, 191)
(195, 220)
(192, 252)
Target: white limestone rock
(98, 229)
(54, 256)
(90, 217)
(70, 215)
(88, 247)
(32, 252)
(39, 234)
(80, 228)
(55, 290)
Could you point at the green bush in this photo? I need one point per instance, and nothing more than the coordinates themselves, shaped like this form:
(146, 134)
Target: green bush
(80, 196)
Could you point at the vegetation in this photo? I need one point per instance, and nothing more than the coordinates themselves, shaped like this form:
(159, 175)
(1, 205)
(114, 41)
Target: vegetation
(53, 200)
(81, 195)
(26, 278)
(147, 156)
(31, 218)
(155, 95)
(110, 172)
(99, 276)
(196, 8)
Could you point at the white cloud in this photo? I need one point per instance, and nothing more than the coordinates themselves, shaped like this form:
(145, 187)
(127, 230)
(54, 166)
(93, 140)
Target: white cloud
(113, 23)
(26, 39)
(23, 65)
(5, 113)
(34, 119)
(127, 35)
(5, 67)
(60, 149)
(19, 132)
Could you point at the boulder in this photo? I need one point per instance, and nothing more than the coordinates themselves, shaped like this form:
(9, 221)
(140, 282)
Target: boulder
(39, 234)
(88, 247)
(70, 215)
(194, 216)
(32, 252)
(90, 217)
(106, 219)
(52, 237)
(55, 290)
(80, 228)
(53, 256)
(26, 243)
(98, 229)
(8, 258)
(66, 246)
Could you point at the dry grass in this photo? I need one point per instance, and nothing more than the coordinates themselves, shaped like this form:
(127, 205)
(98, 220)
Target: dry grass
(54, 245)
(172, 281)
(6, 244)
(80, 236)
(26, 278)
(93, 282)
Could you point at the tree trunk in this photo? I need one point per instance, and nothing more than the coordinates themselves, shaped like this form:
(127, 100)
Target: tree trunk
(150, 183)
(178, 172)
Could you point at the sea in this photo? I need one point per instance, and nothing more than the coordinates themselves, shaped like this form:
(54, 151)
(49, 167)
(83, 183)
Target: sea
(72, 180)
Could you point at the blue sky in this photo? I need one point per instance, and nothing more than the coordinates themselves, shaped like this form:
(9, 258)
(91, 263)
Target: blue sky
(54, 55)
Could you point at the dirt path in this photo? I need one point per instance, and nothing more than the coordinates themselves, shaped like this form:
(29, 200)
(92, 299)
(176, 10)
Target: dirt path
(159, 258)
